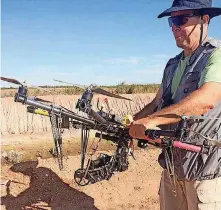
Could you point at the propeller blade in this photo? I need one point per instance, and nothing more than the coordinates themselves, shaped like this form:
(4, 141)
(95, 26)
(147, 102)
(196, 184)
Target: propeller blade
(106, 93)
(14, 81)
(68, 83)
(95, 89)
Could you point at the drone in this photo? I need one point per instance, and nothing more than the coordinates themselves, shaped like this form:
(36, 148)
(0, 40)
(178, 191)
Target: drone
(108, 126)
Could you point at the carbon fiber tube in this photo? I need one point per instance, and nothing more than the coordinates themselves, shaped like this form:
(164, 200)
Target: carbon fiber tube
(97, 117)
(50, 108)
(107, 137)
(157, 133)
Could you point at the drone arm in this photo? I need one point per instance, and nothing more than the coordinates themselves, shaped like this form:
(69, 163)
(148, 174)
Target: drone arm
(49, 108)
(97, 117)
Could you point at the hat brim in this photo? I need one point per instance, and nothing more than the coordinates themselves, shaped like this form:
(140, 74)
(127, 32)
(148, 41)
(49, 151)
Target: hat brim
(211, 11)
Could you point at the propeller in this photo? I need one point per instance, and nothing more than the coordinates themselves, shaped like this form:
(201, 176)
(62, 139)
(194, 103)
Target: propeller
(14, 81)
(68, 83)
(95, 89)
(25, 84)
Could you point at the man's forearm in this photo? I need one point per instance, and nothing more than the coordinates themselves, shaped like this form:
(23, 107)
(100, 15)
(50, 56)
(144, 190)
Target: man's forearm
(197, 103)
(147, 110)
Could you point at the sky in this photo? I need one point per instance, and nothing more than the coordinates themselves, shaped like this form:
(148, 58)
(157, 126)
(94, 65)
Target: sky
(104, 42)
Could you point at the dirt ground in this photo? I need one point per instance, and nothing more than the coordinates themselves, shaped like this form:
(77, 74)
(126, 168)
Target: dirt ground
(37, 182)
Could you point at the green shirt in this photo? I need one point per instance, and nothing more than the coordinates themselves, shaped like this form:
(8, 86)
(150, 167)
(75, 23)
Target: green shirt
(178, 74)
(211, 73)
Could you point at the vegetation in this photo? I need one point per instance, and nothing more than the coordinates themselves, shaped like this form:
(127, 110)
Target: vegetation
(122, 88)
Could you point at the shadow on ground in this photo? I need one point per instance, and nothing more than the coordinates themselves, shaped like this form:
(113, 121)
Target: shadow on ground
(45, 186)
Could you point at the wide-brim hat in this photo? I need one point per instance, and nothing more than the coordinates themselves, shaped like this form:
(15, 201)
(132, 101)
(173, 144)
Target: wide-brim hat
(202, 6)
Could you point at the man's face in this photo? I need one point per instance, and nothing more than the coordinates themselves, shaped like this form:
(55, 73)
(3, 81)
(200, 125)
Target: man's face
(188, 34)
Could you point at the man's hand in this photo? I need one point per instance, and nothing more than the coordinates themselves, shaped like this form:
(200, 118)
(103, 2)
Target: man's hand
(138, 128)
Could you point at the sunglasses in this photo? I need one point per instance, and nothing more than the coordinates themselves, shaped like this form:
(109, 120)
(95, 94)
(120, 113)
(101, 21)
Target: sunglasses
(180, 19)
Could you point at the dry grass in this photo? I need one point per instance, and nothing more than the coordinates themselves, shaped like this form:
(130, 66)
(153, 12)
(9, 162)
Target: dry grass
(12, 156)
(16, 120)
(70, 90)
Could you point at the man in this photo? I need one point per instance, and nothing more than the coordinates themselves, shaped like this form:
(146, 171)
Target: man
(191, 86)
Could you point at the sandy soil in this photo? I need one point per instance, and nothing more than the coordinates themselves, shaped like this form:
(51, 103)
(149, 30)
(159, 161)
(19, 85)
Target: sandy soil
(39, 184)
